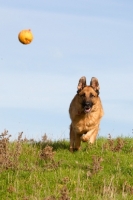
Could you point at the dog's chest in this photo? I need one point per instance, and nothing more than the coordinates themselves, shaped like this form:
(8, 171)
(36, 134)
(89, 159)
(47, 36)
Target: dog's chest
(81, 126)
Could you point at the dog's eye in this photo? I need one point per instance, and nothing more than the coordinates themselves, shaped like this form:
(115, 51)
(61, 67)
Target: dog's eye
(83, 95)
(91, 95)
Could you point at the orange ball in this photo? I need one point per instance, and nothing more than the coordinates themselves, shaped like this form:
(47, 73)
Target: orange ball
(25, 36)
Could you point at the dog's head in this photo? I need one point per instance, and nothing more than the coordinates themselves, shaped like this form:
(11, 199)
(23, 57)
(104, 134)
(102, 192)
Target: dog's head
(88, 95)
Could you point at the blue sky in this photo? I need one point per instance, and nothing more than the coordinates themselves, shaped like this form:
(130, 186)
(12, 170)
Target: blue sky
(71, 39)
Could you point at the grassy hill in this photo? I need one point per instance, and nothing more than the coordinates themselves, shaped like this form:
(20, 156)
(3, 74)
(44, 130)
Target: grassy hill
(46, 170)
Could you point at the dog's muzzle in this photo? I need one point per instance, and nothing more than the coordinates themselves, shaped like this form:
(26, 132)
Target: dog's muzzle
(87, 106)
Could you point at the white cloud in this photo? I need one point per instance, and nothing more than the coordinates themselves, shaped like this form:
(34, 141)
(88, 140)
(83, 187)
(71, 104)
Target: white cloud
(56, 53)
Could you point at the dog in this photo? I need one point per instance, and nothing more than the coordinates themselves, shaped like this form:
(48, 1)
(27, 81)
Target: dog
(85, 113)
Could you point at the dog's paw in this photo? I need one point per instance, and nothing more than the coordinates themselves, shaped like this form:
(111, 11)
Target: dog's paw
(84, 139)
(71, 149)
(74, 149)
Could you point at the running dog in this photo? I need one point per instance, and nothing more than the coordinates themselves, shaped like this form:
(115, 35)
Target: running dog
(85, 112)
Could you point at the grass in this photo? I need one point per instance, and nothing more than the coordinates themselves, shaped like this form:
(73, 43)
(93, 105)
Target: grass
(46, 170)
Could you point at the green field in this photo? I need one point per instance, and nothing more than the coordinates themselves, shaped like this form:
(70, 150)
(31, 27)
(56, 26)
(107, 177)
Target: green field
(46, 170)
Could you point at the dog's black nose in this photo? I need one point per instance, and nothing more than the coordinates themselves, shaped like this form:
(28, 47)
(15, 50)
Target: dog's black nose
(88, 104)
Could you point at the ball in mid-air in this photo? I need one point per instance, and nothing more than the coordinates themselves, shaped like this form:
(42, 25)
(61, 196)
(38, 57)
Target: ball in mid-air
(25, 36)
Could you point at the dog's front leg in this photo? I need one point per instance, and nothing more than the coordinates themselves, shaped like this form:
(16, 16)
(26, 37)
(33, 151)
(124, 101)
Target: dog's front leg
(72, 138)
(87, 136)
(94, 135)
(77, 142)
(90, 135)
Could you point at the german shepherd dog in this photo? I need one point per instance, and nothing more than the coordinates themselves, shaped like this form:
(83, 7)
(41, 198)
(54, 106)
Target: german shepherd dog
(85, 112)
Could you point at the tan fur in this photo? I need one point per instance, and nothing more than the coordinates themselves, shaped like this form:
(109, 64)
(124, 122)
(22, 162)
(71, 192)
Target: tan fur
(85, 124)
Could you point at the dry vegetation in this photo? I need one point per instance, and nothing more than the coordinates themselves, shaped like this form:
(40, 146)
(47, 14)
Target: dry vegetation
(46, 170)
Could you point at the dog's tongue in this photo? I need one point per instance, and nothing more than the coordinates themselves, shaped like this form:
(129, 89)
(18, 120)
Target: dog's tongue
(87, 110)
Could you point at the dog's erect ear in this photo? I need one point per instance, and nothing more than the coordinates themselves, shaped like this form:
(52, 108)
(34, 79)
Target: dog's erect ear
(81, 84)
(94, 84)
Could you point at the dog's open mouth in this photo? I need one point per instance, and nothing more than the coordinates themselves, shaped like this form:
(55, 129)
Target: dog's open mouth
(87, 107)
